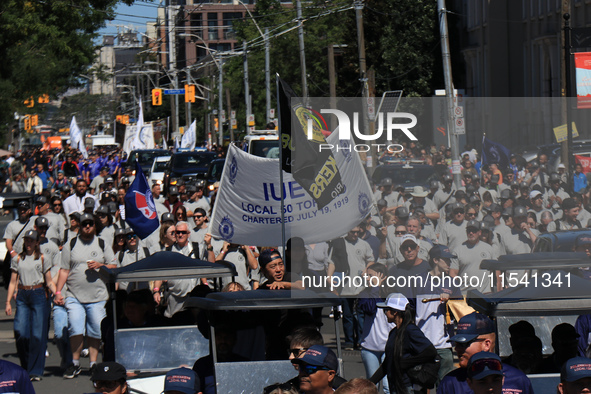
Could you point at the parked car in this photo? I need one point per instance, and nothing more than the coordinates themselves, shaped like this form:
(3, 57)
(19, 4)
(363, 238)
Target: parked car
(146, 157)
(407, 175)
(159, 167)
(188, 166)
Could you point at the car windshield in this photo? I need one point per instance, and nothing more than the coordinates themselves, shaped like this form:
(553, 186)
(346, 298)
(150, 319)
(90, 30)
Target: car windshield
(265, 148)
(160, 166)
(190, 161)
(403, 175)
(144, 157)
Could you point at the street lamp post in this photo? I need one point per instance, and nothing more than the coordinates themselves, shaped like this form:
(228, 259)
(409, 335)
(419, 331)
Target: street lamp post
(135, 100)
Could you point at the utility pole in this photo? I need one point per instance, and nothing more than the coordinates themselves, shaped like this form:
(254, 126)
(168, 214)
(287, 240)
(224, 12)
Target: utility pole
(246, 89)
(302, 52)
(220, 101)
(172, 10)
(569, 94)
(229, 111)
(268, 75)
(358, 4)
(449, 92)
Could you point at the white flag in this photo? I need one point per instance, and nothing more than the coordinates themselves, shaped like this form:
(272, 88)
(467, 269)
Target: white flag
(248, 205)
(190, 137)
(140, 136)
(76, 138)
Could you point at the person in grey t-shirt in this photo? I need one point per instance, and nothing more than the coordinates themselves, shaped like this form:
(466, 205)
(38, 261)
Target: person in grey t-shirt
(87, 294)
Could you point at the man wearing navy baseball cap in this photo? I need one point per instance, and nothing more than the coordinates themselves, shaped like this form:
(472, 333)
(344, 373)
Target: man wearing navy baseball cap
(575, 376)
(476, 333)
(317, 370)
(485, 373)
(181, 381)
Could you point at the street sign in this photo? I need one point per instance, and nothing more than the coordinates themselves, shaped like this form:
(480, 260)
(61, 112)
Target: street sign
(232, 114)
(174, 91)
(271, 113)
(371, 108)
(459, 111)
(460, 126)
(251, 120)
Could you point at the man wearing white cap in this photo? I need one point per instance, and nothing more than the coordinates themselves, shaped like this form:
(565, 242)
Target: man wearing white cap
(419, 199)
(536, 199)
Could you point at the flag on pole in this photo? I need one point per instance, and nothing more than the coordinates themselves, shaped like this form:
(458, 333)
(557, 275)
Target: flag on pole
(314, 169)
(137, 141)
(248, 207)
(140, 209)
(190, 137)
(493, 152)
(76, 138)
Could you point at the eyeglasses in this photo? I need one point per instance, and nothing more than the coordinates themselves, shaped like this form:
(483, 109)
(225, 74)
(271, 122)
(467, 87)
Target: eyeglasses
(102, 215)
(458, 212)
(296, 352)
(467, 344)
(87, 224)
(182, 232)
(57, 205)
(131, 236)
(198, 216)
(311, 369)
(470, 214)
(480, 365)
(471, 230)
(354, 232)
(172, 233)
(408, 247)
(399, 232)
(109, 385)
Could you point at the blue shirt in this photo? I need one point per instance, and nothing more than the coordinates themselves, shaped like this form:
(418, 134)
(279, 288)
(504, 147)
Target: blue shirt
(516, 382)
(45, 178)
(580, 182)
(93, 169)
(14, 379)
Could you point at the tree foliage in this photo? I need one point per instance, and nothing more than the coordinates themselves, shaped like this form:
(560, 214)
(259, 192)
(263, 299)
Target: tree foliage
(45, 45)
(401, 39)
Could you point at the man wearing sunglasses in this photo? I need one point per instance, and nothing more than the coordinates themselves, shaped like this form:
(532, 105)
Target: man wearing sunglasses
(476, 333)
(317, 370)
(86, 292)
(453, 232)
(485, 373)
(470, 253)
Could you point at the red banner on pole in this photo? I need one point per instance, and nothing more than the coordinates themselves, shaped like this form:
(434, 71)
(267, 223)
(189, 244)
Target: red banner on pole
(585, 162)
(583, 78)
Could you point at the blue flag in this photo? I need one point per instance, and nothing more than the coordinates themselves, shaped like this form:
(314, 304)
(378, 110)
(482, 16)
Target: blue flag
(493, 152)
(140, 209)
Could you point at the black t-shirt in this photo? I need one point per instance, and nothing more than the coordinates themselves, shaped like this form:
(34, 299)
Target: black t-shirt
(414, 343)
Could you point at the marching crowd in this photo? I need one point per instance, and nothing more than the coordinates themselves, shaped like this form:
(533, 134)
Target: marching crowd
(77, 224)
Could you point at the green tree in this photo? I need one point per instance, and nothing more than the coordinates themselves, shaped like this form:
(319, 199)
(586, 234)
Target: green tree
(45, 46)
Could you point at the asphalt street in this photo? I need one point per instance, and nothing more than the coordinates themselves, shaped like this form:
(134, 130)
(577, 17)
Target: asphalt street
(53, 383)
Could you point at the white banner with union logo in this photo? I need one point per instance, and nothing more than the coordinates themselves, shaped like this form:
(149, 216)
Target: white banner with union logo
(248, 206)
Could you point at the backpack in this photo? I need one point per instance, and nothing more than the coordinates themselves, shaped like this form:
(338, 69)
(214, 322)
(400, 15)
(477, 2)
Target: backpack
(122, 254)
(100, 241)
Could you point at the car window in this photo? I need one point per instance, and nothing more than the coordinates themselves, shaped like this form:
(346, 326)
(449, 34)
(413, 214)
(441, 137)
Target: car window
(160, 166)
(188, 161)
(402, 175)
(265, 148)
(543, 245)
(216, 170)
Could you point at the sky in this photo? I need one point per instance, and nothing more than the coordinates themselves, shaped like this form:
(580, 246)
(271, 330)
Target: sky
(134, 16)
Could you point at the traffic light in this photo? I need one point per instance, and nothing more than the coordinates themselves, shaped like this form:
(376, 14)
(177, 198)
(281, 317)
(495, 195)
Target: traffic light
(30, 102)
(156, 96)
(27, 122)
(34, 120)
(189, 93)
(215, 124)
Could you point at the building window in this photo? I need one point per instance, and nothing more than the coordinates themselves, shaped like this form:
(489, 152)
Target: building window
(212, 23)
(229, 19)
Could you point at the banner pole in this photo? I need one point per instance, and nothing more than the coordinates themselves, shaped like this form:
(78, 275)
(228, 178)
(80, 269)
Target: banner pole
(281, 169)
